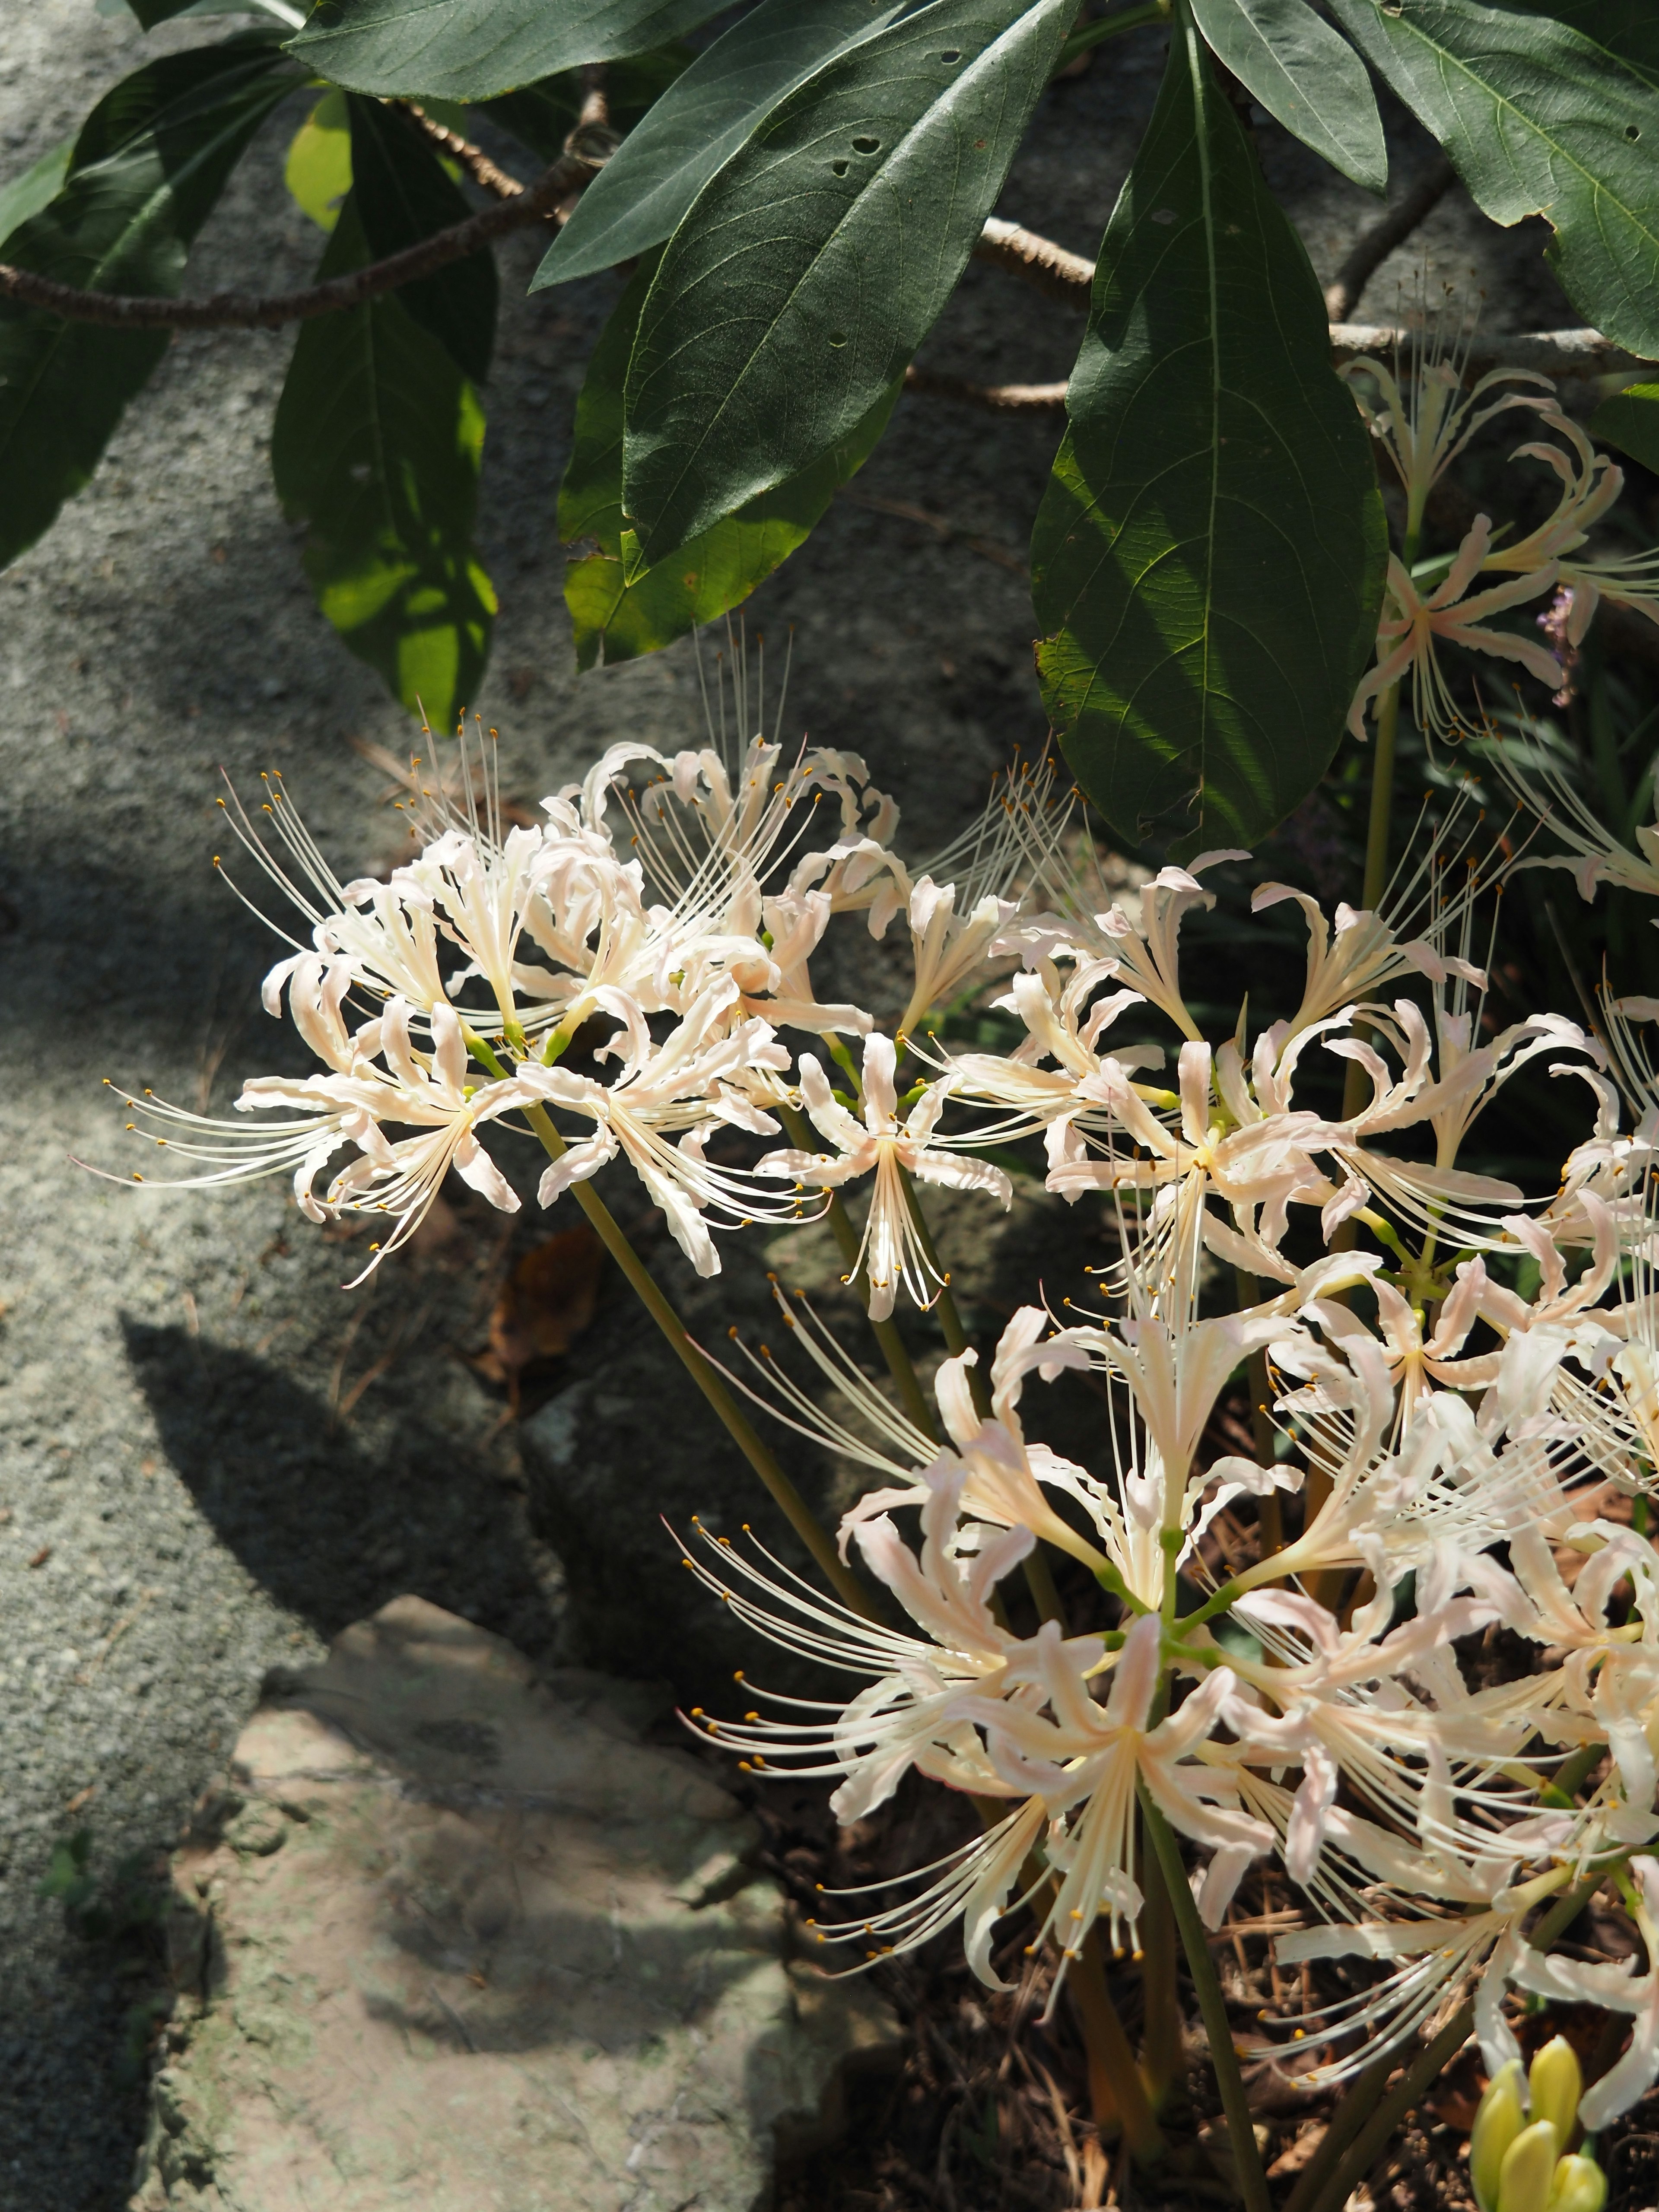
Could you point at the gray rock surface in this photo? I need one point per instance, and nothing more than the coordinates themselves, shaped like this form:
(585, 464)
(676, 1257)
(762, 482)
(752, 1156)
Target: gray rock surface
(210, 1462)
(452, 1937)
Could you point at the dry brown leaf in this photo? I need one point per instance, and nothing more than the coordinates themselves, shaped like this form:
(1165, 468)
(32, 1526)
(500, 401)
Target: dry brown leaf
(546, 1302)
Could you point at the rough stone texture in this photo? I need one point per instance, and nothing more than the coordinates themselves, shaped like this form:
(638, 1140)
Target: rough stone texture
(453, 1938)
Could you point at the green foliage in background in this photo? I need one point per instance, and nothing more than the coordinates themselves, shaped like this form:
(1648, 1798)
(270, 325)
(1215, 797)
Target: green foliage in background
(801, 194)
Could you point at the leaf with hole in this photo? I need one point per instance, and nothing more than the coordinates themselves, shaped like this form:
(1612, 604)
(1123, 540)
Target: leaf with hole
(1538, 120)
(403, 194)
(474, 49)
(1208, 560)
(149, 166)
(375, 449)
(807, 271)
(317, 169)
(1307, 78)
(619, 612)
(1630, 420)
(639, 197)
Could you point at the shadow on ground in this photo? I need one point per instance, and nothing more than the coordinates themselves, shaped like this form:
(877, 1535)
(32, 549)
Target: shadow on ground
(329, 1530)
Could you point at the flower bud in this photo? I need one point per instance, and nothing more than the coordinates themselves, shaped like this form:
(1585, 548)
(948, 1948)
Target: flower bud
(1555, 2084)
(1580, 2185)
(1528, 2172)
(1497, 2124)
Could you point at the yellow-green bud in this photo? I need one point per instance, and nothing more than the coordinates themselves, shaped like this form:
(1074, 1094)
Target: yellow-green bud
(1528, 2172)
(1556, 2084)
(1497, 2124)
(1580, 2185)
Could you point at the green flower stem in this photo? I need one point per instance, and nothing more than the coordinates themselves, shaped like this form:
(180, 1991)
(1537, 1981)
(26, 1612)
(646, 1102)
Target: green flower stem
(1241, 2128)
(885, 1332)
(1114, 2078)
(707, 1379)
(1161, 2052)
(1110, 27)
(1360, 2126)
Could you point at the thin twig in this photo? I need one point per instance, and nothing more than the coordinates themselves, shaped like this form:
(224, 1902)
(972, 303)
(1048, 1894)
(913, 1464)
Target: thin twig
(1052, 269)
(473, 159)
(249, 312)
(1373, 247)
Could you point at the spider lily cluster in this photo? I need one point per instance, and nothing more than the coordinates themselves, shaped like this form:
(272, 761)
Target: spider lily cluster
(1457, 1381)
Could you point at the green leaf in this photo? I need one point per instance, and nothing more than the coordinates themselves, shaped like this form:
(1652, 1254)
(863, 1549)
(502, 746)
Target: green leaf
(1630, 420)
(639, 197)
(542, 116)
(403, 194)
(375, 448)
(810, 267)
(1312, 80)
(1627, 30)
(473, 49)
(151, 160)
(152, 12)
(617, 611)
(38, 186)
(1538, 120)
(1208, 558)
(318, 170)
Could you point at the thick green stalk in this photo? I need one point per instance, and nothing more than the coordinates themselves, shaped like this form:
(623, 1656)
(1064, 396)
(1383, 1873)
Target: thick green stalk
(1241, 2127)
(1161, 2052)
(784, 1494)
(885, 1332)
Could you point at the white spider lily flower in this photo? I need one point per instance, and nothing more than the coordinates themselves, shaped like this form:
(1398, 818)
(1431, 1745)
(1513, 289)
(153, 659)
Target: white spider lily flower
(1084, 1759)
(875, 1142)
(1005, 1479)
(481, 888)
(1366, 953)
(1065, 1023)
(1172, 1370)
(1590, 483)
(660, 1112)
(1148, 958)
(1426, 418)
(1616, 1988)
(1414, 624)
(948, 947)
(398, 1179)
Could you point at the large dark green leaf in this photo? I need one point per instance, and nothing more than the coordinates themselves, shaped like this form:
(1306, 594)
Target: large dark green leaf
(1208, 556)
(639, 197)
(375, 449)
(1538, 120)
(1286, 56)
(151, 159)
(1630, 420)
(472, 49)
(403, 195)
(809, 269)
(613, 619)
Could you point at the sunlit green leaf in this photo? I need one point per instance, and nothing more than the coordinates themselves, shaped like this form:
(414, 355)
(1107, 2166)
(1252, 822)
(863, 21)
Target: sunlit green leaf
(150, 163)
(1208, 558)
(318, 170)
(1292, 62)
(810, 268)
(376, 448)
(36, 188)
(1538, 120)
(614, 618)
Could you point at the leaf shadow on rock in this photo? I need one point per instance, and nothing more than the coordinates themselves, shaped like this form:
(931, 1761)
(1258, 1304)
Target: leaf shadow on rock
(330, 1529)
